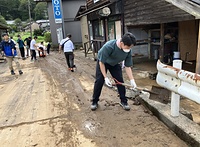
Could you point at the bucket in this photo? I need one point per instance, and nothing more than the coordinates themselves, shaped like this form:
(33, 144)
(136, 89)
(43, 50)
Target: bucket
(177, 64)
(176, 55)
(156, 54)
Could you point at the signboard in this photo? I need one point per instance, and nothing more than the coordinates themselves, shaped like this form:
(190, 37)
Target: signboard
(59, 34)
(57, 11)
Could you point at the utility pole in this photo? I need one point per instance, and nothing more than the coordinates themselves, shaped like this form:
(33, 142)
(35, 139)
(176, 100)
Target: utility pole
(29, 10)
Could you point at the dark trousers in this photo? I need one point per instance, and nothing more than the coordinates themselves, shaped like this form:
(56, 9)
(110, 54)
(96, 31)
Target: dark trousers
(48, 50)
(22, 52)
(70, 59)
(41, 53)
(33, 54)
(116, 72)
(27, 52)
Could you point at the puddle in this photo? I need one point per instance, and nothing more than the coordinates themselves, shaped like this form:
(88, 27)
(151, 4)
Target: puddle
(89, 126)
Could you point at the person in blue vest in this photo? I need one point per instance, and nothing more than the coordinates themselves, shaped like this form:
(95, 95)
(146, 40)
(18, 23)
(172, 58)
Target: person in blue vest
(8, 48)
(109, 58)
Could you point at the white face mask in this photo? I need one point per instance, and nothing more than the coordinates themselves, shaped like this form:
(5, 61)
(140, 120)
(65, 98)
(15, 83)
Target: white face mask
(126, 50)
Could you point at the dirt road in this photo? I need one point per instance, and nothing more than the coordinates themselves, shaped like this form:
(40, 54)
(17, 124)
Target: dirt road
(48, 106)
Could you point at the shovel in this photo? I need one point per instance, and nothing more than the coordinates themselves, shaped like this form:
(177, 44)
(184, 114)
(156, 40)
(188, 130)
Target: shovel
(130, 87)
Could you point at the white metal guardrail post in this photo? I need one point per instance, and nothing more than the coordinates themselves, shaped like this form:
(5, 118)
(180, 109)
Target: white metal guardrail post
(180, 82)
(175, 98)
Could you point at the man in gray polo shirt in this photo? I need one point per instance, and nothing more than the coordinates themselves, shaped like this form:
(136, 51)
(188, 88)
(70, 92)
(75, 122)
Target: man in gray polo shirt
(109, 57)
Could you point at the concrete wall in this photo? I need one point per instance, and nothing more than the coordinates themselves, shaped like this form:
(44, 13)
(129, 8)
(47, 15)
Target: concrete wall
(70, 9)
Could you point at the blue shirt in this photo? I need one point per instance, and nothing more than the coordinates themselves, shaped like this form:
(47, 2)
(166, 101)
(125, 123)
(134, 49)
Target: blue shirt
(111, 54)
(7, 47)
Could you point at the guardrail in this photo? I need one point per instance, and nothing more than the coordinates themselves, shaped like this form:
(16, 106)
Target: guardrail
(180, 82)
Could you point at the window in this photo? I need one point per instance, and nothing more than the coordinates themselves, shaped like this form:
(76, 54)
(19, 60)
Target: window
(98, 29)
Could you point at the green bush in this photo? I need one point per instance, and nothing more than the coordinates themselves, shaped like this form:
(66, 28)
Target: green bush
(38, 32)
(47, 37)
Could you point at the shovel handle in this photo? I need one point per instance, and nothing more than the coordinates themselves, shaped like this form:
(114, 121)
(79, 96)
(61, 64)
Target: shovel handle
(140, 89)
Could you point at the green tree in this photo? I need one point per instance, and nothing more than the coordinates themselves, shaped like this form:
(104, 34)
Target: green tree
(13, 28)
(12, 9)
(18, 23)
(40, 10)
(47, 37)
(2, 20)
(23, 9)
(9, 8)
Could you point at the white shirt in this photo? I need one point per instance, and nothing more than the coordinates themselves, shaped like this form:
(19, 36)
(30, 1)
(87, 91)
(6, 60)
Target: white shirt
(14, 41)
(32, 45)
(68, 46)
(42, 46)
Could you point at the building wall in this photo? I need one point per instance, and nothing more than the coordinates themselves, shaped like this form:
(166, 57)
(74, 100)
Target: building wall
(141, 50)
(70, 9)
(141, 12)
(53, 25)
(188, 32)
(84, 30)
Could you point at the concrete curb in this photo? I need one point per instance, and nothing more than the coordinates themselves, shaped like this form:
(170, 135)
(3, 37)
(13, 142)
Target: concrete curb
(184, 128)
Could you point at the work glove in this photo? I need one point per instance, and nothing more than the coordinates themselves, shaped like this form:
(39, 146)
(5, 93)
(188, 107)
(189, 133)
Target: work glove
(107, 82)
(133, 84)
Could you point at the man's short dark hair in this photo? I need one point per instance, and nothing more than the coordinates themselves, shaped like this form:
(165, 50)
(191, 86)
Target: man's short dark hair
(69, 35)
(35, 37)
(128, 39)
(5, 34)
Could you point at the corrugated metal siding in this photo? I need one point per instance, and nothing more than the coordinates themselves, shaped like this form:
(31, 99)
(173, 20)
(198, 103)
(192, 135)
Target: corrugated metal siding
(137, 12)
(91, 4)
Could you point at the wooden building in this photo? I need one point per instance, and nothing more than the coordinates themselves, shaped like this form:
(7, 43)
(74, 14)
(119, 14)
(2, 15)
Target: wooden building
(169, 27)
(165, 29)
(103, 19)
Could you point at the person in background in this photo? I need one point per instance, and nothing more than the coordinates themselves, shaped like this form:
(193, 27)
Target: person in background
(41, 50)
(109, 58)
(68, 48)
(48, 48)
(28, 42)
(16, 46)
(11, 38)
(8, 48)
(21, 47)
(33, 48)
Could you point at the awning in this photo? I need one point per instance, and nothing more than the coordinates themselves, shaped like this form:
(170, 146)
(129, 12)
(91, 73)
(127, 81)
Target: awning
(190, 6)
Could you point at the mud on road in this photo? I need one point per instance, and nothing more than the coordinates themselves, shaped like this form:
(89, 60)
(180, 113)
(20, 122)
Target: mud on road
(49, 106)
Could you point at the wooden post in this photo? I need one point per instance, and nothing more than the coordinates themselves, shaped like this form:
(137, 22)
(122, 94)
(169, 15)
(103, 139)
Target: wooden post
(161, 51)
(149, 44)
(198, 54)
(106, 30)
